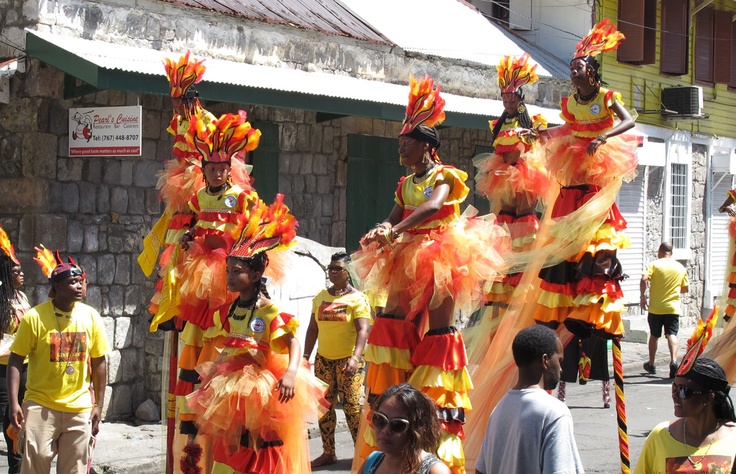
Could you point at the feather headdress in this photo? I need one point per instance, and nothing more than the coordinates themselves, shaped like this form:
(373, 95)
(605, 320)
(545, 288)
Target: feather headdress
(602, 37)
(45, 259)
(183, 73)
(54, 267)
(425, 107)
(7, 247)
(514, 72)
(697, 342)
(217, 141)
(269, 228)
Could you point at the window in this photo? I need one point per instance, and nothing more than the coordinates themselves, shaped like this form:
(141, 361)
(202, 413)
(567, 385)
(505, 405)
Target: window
(674, 39)
(677, 198)
(637, 20)
(703, 48)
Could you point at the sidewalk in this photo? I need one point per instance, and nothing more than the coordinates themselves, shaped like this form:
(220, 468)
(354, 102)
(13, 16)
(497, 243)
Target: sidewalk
(124, 448)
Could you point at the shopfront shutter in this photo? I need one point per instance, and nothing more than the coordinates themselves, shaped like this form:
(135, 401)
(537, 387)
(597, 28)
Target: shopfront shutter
(631, 202)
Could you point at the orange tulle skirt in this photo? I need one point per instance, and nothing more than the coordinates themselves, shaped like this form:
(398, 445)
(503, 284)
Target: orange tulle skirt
(238, 405)
(424, 269)
(509, 185)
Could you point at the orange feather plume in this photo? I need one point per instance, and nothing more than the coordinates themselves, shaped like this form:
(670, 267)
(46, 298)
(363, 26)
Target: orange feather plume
(268, 228)
(46, 260)
(183, 73)
(217, 141)
(514, 72)
(7, 247)
(698, 340)
(602, 37)
(426, 107)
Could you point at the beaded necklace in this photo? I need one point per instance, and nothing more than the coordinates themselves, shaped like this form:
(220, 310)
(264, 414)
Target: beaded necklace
(699, 463)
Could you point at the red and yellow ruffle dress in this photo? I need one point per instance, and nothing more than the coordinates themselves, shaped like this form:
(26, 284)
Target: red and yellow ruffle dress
(448, 255)
(584, 291)
(237, 403)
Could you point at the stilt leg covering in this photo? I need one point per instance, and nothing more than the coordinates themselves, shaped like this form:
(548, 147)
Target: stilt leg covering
(389, 350)
(441, 372)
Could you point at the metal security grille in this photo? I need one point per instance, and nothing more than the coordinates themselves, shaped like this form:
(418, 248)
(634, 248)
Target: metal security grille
(678, 205)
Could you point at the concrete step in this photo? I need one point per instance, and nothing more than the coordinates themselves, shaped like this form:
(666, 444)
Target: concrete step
(636, 328)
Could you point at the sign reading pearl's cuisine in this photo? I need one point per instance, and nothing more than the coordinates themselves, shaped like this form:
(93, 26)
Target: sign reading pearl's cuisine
(105, 131)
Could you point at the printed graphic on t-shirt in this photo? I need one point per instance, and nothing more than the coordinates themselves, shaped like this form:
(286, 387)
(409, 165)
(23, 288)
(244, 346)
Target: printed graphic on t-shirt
(714, 463)
(68, 346)
(334, 311)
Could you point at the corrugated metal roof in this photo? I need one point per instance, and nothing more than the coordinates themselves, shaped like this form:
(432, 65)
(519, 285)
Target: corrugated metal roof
(462, 32)
(326, 16)
(294, 83)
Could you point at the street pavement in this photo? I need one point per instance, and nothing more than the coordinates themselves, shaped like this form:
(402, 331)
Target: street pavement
(126, 448)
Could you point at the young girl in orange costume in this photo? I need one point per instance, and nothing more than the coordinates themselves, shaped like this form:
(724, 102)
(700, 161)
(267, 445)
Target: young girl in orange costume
(513, 177)
(424, 263)
(257, 397)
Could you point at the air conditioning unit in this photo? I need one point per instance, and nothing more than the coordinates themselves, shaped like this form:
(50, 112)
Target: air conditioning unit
(683, 101)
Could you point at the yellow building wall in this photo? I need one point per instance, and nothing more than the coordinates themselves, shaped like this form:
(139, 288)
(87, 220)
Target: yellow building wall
(641, 86)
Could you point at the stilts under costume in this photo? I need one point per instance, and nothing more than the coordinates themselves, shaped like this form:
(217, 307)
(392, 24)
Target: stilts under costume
(446, 256)
(237, 403)
(584, 291)
(513, 178)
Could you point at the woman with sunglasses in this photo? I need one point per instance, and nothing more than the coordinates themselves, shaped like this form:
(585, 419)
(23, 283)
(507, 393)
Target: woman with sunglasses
(407, 432)
(340, 322)
(703, 437)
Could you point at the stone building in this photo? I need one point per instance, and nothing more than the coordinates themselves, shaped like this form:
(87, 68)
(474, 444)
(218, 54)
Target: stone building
(326, 89)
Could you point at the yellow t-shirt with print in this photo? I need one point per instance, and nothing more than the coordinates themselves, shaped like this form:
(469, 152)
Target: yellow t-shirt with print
(58, 349)
(335, 317)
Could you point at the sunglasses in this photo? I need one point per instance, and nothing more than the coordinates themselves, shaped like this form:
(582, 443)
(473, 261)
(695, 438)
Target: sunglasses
(397, 425)
(683, 392)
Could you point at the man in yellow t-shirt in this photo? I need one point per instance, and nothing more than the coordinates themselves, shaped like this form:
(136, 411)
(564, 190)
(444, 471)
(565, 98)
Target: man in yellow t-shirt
(667, 279)
(64, 341)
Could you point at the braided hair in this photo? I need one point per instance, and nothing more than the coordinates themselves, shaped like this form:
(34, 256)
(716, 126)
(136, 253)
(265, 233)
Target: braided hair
(7, 291)
(257, 263)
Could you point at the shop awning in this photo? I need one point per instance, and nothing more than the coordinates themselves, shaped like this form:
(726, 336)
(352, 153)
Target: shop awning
(104, 65)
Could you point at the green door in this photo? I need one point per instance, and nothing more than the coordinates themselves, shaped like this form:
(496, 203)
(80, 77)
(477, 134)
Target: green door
(373, 173)
(478, 201)
(265, 161)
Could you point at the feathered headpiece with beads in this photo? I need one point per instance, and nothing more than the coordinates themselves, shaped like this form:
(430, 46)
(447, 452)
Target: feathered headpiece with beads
(425, 107)
(217, 141)
(269, 228)
(602, 37)
(7, 247)
(698, 340)
(514, 72)
(183, 73)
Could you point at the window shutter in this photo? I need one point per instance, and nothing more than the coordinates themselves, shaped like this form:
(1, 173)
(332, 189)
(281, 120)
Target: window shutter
(631, 24)
(722, 47)
(673, 49)
(704, 45)
(650, 31)
(732, 83)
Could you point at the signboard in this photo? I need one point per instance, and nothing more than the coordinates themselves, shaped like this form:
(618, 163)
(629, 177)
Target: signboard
(105, 131)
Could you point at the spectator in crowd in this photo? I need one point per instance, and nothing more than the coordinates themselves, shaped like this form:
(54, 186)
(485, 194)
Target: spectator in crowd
(340, 323)
(667, 279)
(407, 432)
(64, 341)
(529, 430)
(703, 437)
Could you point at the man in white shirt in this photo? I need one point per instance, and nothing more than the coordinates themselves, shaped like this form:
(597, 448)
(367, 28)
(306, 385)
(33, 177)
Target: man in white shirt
(531, 431)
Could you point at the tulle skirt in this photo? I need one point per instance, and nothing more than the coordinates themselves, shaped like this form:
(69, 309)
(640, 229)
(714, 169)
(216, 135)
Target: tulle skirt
(507, 185)
(425, 268)
(238, 404)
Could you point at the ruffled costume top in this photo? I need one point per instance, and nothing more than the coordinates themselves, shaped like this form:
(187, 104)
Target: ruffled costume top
(584, 291)
(237, 402)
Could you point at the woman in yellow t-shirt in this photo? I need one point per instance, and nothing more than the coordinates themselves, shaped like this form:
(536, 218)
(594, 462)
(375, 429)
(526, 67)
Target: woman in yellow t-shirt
(340, 323)
(703, 437)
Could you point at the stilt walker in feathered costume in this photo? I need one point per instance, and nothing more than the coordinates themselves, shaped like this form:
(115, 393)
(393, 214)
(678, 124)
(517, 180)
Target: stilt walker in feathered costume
(513, 178)
(179, 180)
(197, 284)
(421, 265)
(257, 397)
(572, 271)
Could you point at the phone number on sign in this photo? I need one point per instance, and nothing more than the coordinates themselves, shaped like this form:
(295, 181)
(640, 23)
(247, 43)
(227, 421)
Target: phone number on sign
(108, 138)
